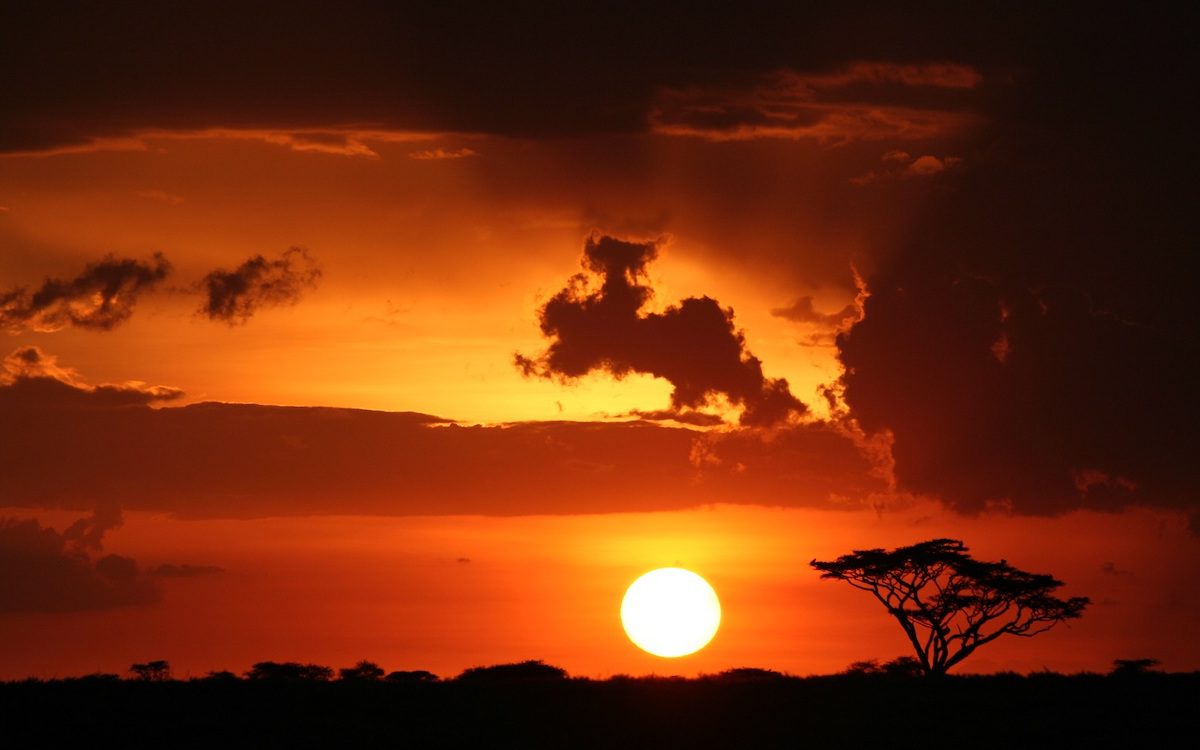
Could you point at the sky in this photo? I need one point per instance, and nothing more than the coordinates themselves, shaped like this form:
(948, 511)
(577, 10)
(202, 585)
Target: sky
(417, 334)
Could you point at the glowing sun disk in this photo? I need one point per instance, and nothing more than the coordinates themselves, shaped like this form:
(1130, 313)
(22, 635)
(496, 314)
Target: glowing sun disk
(670, 612)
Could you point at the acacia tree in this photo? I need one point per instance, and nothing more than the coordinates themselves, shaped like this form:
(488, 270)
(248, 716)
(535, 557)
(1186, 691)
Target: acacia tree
(154, 671)
(950, 604)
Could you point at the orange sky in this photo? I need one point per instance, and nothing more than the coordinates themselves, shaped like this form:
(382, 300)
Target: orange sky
(447, 593)
(431, 326)
(831, 291)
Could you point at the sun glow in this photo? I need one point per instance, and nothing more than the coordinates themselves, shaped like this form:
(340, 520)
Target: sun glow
(670, 612)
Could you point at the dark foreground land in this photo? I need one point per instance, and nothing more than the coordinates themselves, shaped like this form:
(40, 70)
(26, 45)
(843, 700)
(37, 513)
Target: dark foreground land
(845, 711)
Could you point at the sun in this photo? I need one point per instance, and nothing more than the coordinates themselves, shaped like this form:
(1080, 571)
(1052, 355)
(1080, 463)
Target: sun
(670, 612)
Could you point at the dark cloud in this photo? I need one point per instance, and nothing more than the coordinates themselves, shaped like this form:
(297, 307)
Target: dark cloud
(899, 165)
(42, 570)
(340, 144)
(469, 68)
(100, 298)
(87, 534)
(1111, 569)
(803, 311)
(696, 418)
(235, 296)
(1033, 340)
(597, 323)
(863, 101)
(994, 392)
(185, 570)
(441, 154)
(31, 379)
(236, 461)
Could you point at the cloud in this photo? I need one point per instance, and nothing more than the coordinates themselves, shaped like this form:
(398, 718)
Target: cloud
(941, 75)
(597, 323)
(926, 166)
(245, 460)
(803, 311)
(695, 418)
(32, 379)
(381, 67)
(1111, 569)
(235, 296)
(441, 153)
(100, 298)
(337, 140)
(323, 142)
(1077, 409)
(324, 68)
(160, 196)
(185, 570)
(864, 101)
(900, 165)
(42, 570)
(1030, 340)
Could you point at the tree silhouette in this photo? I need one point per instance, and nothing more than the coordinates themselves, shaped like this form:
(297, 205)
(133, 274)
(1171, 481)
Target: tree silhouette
(950, 604)
(1133, 667)
(289, 671)
(364, 671)
(153, 671)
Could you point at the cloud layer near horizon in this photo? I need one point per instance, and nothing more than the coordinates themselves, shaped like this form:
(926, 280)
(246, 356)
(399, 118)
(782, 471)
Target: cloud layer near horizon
(42, 570)
(75, 448)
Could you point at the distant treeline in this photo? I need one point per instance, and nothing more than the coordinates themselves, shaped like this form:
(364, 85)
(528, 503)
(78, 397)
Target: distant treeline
(533, 671)
(535, 705)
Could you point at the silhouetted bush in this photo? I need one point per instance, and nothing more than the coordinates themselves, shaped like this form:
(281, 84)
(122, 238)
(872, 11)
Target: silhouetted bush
(413, 676)
(746, 674)
(903, 666)
(1133, 667)
(526, 671)
(96, 677)
(365, 671)
(289, 671)
(864, 667)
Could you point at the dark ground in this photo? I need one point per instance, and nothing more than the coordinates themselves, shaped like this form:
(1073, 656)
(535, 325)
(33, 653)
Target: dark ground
(1009, 711)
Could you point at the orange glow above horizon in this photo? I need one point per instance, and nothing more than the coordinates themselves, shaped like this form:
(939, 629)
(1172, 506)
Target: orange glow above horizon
(448, 593)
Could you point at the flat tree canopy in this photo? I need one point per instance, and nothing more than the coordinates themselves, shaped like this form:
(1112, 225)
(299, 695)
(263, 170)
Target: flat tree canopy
(950, 604)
